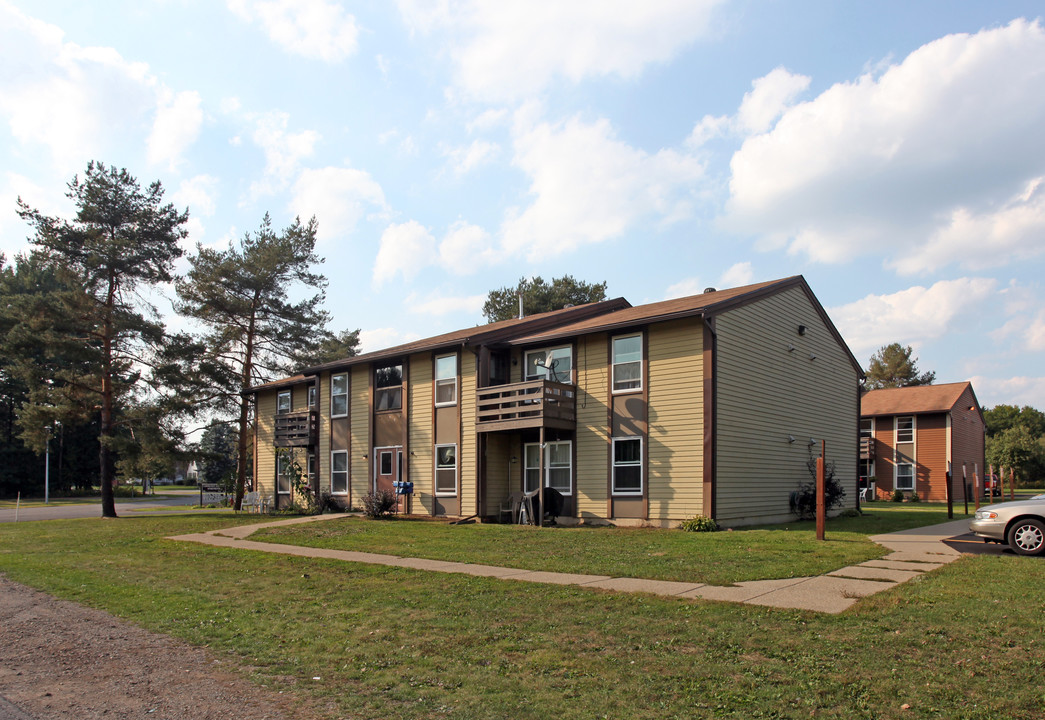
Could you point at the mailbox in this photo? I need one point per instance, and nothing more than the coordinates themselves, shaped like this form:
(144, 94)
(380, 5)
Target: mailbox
(403, 487)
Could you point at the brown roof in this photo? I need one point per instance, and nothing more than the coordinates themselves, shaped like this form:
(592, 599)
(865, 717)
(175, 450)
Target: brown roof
(913, 400)
(282, 382)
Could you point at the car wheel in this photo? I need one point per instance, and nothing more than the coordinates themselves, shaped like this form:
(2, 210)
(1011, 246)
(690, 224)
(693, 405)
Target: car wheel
(1027, 537)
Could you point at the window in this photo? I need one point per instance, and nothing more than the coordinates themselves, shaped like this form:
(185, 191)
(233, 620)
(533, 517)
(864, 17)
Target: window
(311, 396)
(283, 402)
(388, 387)
(446, 380)
(866, 427)
(386, 462)
(558, 466)
(904, 476)
(555, 364)
(284, 469)
(446, 470)
(627, 466)
(627, 363)
(905, 429)
(339, 395)
(339, 472)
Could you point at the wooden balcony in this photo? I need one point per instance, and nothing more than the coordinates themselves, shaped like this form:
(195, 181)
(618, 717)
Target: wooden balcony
(297, 429)
(531, 404)
(866, 448)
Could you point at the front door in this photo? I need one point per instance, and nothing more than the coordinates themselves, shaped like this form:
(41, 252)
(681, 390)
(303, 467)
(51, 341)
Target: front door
(388, 468)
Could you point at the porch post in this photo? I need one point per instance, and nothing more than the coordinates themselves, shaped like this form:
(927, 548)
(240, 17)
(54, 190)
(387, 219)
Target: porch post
(540, 487)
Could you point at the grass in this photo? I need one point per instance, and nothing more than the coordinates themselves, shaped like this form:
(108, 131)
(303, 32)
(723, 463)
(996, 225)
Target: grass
(722, 558)
(964, 642)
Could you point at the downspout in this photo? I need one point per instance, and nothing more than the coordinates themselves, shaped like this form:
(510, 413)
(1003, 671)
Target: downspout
(710, 420)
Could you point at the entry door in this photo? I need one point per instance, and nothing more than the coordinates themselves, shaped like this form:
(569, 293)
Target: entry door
(388, 467)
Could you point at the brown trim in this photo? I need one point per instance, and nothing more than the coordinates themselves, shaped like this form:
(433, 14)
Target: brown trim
(404, 407)
(435, 440)
(371, 479)
(710, 434)
(644, 334)
(609, 427)
(858, 392)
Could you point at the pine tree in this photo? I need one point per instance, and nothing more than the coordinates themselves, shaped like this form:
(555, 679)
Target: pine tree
(892, 366)
(539, 296)
(123, 240)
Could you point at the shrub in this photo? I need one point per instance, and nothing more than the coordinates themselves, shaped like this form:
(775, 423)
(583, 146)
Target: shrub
(379, 504)
(700, 523)
(897, 495)
(803, 500)
(915, 498)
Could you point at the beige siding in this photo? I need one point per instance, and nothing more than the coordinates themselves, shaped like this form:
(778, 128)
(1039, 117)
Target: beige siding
(676, 419)
(265, 472)
(323, 411)
(498, 458)
(592, 436)
(359, 415)
(467, 449)
(421, 462)
(765, 393)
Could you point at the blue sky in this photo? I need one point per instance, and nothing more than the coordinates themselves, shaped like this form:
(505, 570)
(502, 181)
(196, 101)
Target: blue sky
(893, 153)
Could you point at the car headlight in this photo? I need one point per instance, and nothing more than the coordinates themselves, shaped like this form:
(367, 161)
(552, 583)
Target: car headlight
(985, 515)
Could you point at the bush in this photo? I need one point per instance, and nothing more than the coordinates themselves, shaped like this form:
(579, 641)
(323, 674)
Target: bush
(803, 500)
(915, 498)
(379, 504)
(897, 496)
(700, 523)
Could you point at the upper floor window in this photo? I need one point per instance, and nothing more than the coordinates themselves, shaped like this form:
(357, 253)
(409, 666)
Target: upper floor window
(905, 429)
(283, 402)
(627, 363)
(866, 427)
(446, 380)
(311, 396)
(339, 395)
(555, 364)
(388, 386)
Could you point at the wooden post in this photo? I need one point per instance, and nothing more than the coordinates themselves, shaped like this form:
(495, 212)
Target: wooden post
(976, 484)
(965, 489)
(1012, 483)
(821, 510)
(947, 488)
(540, 488)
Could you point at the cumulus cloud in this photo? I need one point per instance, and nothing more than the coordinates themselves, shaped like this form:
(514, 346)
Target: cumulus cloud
(176, 127)
(1018, 390)
(509, 50)
(283, 151)
(339, 197)
(588, 186)
(439, 306)
(405, 249)
(465, 158)
(909, 316)
(380, 338)
(738, 275)
(466, 248)
(315, 29)
(913, 162)
(198, 194)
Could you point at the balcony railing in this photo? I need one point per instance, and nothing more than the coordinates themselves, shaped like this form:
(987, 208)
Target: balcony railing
(297, 429)
(531, 404)
(866, 448)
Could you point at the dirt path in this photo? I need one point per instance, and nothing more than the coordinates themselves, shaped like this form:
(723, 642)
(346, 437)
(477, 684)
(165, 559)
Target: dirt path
(61, 660)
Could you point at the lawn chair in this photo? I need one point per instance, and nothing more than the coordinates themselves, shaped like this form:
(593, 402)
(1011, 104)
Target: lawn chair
(251, 502)
(510, 508)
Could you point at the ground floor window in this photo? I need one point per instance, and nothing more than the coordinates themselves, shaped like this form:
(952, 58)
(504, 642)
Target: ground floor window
(866, 470)
(627, 466)
(905, 476)
(284, 470)
(558, 466)
(446, 470)
(339, 472)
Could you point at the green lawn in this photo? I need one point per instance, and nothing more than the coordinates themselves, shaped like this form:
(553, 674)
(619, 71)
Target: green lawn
(965, 641)
(722, 558)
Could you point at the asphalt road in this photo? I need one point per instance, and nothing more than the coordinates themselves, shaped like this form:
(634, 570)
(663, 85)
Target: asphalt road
(165, 503)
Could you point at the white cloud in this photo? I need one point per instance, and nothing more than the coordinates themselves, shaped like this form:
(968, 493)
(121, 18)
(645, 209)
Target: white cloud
(684, 288)
(1018, 390)
(315, 29)
(439, 306)
(770, 96)
(738, 275)
(176, 127)
(466, 158)
(508, 50)
(466, 248)
(1035, 333)
(283, 151)
(909, 316)
(198, 194)
(338, 197)
(381, 338)
(488, 120)
(588, 187)
(940, 148)
(405, 249)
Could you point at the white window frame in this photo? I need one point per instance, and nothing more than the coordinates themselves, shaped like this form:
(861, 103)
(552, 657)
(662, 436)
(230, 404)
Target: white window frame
(897, 428)
(283, 460)
(282, 395)
(544, 375)
(311, 397)
(613, 364)
(444, 469)
(638, 464)
(546, 459)
(445, 381)
(334, 395)
(333, 472)
(870, 430)
(896, 477)
(379, 392)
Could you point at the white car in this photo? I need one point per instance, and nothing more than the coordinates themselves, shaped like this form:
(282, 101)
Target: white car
(1021, 524)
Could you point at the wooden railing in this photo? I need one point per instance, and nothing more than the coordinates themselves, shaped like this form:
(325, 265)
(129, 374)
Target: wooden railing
(297, 429)
(866, 448)
(531, 404)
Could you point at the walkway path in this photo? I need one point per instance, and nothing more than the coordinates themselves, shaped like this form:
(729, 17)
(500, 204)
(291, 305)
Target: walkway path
(914, 552)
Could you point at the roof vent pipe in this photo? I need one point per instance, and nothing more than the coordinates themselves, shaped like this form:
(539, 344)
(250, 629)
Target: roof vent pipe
(519, 293)
(709, 290)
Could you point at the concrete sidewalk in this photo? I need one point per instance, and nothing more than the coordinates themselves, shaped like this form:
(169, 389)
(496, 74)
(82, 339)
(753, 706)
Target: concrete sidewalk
(914, 552)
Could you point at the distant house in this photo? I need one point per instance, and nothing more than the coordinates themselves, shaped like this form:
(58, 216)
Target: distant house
(911, 436)
(710, 404)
